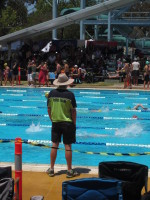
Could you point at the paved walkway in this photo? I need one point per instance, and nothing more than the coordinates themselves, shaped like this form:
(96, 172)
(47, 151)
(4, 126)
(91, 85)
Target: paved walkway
(36, 182)
(39, 183)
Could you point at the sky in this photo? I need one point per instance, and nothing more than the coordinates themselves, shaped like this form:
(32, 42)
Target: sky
(30, 7)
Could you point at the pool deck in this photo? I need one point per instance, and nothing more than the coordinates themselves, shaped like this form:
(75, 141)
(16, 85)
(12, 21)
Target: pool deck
(36, 182)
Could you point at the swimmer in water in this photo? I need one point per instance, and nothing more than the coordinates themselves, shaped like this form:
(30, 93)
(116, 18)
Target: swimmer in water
(139, 105)
(96, 110)
(46, 94)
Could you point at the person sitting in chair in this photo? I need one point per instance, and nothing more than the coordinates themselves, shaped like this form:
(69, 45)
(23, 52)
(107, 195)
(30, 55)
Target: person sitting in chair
(76, 74)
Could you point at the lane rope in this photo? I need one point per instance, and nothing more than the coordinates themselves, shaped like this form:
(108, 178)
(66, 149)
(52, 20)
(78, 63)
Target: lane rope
(79, 117)
(124, 93)
(83, 117)
(34, 143)
(80, 109)
(78, 127)
(16, 90)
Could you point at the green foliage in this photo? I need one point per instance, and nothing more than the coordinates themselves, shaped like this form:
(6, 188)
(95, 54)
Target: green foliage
(69, 32)
(42, 13)
(2, 5)
(9, 16)
(68, 4)
(20, 9)
(91, 2)
(13, 16)
(43, 7)
(7, 21)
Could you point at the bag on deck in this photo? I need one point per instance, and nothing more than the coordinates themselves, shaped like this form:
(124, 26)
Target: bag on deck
(134, 177)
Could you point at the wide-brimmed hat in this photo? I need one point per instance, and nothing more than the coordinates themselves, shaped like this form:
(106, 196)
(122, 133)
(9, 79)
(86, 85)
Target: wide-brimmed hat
(63, 80)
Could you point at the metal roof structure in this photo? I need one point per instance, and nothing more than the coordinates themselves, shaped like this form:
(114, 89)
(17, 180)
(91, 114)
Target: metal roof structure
(66, 20)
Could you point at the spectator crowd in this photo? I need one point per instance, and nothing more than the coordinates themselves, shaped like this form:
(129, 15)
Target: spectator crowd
(42, 68)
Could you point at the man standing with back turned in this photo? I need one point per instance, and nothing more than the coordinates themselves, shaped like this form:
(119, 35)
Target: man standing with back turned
(61, 105)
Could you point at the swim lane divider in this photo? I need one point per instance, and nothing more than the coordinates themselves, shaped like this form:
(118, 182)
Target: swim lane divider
(41, 144)
(79, 117)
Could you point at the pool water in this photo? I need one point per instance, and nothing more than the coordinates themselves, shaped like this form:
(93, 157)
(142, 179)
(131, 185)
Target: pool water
(107, 128)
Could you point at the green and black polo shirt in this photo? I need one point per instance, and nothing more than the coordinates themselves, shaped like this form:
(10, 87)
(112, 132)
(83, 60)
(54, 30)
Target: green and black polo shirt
(61, 101)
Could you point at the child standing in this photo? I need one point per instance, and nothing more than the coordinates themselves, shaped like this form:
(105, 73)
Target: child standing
(7, 75)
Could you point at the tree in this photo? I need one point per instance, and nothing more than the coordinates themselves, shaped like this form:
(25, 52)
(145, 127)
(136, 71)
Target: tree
(20, 9)
(42, 13)
(7, 20)
(2, 5)
(13, 16)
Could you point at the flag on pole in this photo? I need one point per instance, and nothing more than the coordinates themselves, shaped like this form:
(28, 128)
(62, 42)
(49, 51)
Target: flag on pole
(47, 47)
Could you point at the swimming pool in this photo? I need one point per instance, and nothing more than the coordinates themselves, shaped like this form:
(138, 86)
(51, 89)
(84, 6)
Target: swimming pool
(107, 129)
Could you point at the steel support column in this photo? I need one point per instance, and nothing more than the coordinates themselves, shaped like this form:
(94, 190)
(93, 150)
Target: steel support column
(109, 27)
(9, 50)
(82, 25)
(127, 46)
(54, 31)
(143, 43)
(96, 32)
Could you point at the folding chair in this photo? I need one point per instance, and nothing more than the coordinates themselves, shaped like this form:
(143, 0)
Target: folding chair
(7, 184)
(91, 188)
(6, 189)
(134, 177)
(5, 172)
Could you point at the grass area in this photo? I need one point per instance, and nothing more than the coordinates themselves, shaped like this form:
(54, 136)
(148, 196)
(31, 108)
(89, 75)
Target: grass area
(94, 85)
(86, 85)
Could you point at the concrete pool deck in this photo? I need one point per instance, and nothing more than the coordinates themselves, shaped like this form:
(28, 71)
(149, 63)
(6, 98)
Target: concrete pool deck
(36, 182)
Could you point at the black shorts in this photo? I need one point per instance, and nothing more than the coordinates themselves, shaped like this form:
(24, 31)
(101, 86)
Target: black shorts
(146, 78)
(135, 73)
(65, 129)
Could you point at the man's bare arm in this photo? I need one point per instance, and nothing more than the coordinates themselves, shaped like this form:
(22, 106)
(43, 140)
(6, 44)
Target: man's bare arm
(49, 113)
(74, 115)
